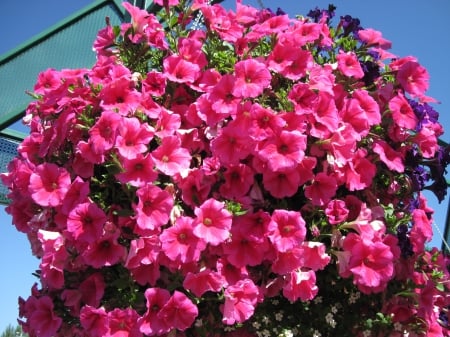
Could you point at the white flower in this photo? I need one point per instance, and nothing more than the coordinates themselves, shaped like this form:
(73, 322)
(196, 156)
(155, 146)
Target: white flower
(279, 316)
(330, 320)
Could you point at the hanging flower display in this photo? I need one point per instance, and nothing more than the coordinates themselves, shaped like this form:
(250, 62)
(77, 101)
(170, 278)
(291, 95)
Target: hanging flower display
(233, 173)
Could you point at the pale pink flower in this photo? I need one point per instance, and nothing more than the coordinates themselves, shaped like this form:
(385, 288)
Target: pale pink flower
(49, 184)
(212, 222)
(252, 77)
(240, 301)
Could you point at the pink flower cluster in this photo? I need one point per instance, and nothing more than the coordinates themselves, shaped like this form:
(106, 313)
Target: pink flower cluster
(191, 175)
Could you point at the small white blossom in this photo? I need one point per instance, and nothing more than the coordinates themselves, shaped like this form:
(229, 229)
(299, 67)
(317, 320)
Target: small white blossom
(334, 309)
(330, 320)
(367, 333)
(318, 300)
(316, 334)
(265, 320)
(279, 316)
(256, 325)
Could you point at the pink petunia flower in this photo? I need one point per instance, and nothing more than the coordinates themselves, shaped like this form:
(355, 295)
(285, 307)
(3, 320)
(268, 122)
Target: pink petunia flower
(238, 180)
(284, 151)
(49, 184)
(231, 145)
(178, 312)
(402, 113)
(151, 323)
(43, 319)
(336, 211)
(203, 281)
(301, 285)
(240, 301)
(153, 208)
(170, 158)
(392, 158)
(322, 189)
(413, 78)
(177, 69)
(105, 251)
(137, 171)
(283, 183)
(348, 64)
(286, 229)
(142, 260)
(54, 259)
(103, 133)
(179, 243)
(252, 77)
(123, 323)
(94, 320)
(85, 222)
(133, 137)
(212, 222)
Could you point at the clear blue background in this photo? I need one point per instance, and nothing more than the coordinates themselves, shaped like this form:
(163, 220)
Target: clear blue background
(418, 28)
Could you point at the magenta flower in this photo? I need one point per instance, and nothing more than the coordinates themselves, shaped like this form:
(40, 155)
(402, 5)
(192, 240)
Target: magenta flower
(286, 230)
(402, 112)
(85, 222)
(151, 322)
(170, 158)
(284, 151)
(212, 222)
(123, 323)
(392, 158)
(133, 137)
(94, 320)
(49, 184)
(301, 285)
(105, 251)
(153, 208)
(143, 260)
(137, 171)
(240, 301)
(103, 133)
(43, 320)
(322, 189)
(180, 244)
(282, 184)
(178, 312)
(203, 281)
(177, 69)
(349, 65)
(336, 211)
(252, 77)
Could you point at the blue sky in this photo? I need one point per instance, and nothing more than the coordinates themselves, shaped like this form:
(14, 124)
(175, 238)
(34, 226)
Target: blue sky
(418, 28)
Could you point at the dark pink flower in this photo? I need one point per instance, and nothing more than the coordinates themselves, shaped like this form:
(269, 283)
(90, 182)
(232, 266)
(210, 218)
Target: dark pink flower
(179, 243)
(322, 189)
(42, 319)
(349, 65)
(177, 69)
(103, 133)
(336, 211)
(392, 158)
(151, 323)
(301, 285)
(123, 323)
(231, 145)
(153, 208)
(85, 222)
(203, 281)
(284, 151)
(240, 301)
(283, 183)
(286, 230)
(53, 261)
(413, 78)
(179, 312)
(137, 171)
(142, 260)
(212, 222)
(421, 231)
(133, 137)
(94, 320)
(49, 184)
(170, 158)
(252, 77)
(402, 113)
(374, 38)
(105, 251)
(238, 180)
